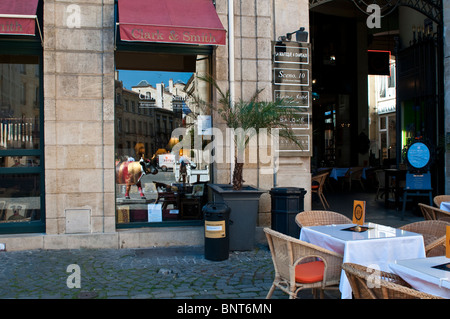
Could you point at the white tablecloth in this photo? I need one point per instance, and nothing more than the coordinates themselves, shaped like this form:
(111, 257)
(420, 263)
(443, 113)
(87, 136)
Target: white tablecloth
(445, 206)
(377, 247)
(421, 276)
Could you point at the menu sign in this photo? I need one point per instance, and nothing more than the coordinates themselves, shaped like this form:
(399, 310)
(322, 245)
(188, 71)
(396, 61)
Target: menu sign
(359, 212)
(292, 82)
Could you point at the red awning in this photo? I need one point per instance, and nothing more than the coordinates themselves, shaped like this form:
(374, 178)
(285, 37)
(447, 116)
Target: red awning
(18, 17)
(170, 21)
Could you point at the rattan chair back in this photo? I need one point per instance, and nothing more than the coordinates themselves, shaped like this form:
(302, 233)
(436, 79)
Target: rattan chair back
(320, 181)
(320, 217)
(433, 232)
(369, 283)
(433, 213)
(287, 252)
(440, 198)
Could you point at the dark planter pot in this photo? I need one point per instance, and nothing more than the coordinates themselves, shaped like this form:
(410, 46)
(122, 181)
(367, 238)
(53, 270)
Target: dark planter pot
(244, 205)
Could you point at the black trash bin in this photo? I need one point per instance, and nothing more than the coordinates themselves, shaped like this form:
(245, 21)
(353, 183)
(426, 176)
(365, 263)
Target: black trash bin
(217, 240)
(287, 202)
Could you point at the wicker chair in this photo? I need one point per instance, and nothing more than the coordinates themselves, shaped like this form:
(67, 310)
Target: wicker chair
(354, 174)
(434, 213)
(317, 184)
(300, 265)
(433, 232)
(381, 187)
(320, 217)
(440, 198)
(368, 283)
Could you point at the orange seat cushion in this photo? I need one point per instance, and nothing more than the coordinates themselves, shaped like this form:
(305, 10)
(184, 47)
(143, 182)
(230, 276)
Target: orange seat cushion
(308, 273)
(314, 186)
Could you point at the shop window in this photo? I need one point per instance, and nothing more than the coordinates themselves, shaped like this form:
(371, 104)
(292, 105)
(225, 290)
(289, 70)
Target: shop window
(21, 147)
(160, 103)
(387, 136)
(21, 196)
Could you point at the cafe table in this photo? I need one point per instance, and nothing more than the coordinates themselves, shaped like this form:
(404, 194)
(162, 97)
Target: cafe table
(422, 275)
(337, 172)
(375, 246)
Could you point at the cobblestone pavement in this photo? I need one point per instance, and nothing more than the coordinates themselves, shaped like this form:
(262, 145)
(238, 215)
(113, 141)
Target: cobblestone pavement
(158, 273)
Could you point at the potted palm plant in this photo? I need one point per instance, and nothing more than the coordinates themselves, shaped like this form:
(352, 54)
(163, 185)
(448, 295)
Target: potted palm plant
(247, 119)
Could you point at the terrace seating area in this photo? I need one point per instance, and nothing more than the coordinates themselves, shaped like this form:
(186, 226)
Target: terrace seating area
(330, 254)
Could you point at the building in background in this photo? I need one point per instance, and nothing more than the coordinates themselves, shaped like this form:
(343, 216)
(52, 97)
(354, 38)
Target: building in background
(382, 115)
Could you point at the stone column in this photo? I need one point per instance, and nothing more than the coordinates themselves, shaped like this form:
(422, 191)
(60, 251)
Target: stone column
(79, 116)
(256, 24)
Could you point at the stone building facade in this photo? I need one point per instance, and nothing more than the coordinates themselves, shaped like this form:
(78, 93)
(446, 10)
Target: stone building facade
(78, 39)
(79, 121)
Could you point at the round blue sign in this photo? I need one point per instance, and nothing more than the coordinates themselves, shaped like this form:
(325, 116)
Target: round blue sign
(418, 155)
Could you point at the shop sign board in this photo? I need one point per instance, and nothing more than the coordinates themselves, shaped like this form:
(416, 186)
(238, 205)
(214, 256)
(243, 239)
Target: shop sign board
(18, 17)
(292, 81)
(295, 77)
(291, 53)
(174, 21)
(289, 148)
(301, 120)
(300, 98)
(388, 106)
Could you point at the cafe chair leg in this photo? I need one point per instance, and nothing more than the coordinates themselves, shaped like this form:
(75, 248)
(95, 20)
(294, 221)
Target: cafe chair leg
(269, 294)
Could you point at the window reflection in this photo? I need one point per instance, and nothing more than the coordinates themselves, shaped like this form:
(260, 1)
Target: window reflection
(19, 104)
(20, 198)
(20, 161)
(20, 117)
(147, 112)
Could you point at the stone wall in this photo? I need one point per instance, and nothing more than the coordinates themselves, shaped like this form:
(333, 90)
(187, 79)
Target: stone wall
(79, 104)
(256, 24)
(79, 116)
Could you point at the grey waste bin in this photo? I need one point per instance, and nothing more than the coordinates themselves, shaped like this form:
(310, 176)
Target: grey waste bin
(217, 239)
(287, 202)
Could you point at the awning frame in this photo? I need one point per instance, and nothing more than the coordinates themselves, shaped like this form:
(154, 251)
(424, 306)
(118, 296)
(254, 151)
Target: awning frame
(164, 25)
(158, 47)
(26, 16)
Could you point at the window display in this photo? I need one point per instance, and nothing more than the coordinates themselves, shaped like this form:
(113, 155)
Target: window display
(156, 180)
(20, 198)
